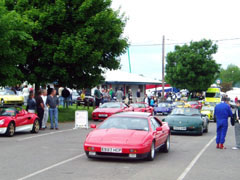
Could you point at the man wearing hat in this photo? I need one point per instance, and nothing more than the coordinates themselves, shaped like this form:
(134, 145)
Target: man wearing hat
(222, 113)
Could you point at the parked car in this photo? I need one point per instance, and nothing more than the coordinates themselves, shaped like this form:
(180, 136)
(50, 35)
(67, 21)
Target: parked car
(178, 104)
(128, 135)
(108, 109)
(88, 100)
(141, 107)
(163, 108)
(16, 119)
(195, 104)
(75, 96)
(9, 97)
(209, 111)
(187, 121)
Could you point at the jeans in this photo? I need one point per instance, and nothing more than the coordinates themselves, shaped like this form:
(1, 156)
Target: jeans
(53, 112)
(61, 99)
(237, 134)
(45, 117)
(65, 102)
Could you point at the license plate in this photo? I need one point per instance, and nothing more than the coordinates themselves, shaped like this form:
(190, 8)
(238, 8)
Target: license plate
(180, 128)
(112, 150)
(132, 155)
(102, 115)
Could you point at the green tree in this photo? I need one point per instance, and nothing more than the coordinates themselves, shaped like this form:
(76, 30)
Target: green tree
(230, 74)
(77, 40)
(15, 43)
(226, 86)
(192, 66)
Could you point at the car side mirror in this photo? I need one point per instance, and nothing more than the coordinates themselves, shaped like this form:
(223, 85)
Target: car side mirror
(159, 129)
(93, 126)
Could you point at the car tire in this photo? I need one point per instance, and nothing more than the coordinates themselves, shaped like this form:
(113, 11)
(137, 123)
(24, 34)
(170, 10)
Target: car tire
(36, 126)
(201, 131)
(151, 154)
(10, 129)
(166, 146)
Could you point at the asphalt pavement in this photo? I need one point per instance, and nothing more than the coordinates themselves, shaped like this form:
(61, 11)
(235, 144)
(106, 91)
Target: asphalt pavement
(59, 155)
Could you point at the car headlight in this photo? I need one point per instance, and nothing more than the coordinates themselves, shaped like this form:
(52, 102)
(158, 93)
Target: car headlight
(2, 121)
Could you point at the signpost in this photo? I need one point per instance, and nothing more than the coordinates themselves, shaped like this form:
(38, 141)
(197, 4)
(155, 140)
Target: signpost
(81, 119)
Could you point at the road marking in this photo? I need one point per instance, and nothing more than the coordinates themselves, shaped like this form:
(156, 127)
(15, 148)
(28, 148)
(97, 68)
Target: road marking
(52, 166)
(45, 134)
(193, 162)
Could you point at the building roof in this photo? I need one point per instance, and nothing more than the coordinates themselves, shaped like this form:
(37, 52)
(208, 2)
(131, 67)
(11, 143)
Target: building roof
(121, 77)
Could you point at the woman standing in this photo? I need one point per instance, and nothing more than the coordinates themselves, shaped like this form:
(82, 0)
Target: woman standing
(31, 103)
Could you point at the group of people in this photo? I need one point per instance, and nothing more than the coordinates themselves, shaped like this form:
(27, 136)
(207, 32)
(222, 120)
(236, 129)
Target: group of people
(107, 95)
(45, 104)
(222, 112)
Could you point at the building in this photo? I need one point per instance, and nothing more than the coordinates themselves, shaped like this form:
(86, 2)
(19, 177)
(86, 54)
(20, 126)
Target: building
(124, 80)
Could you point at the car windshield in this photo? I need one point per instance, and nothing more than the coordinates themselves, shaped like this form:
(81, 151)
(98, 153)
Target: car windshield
(111, 105)
(163, 105)
(178, 103)
(129, 123)
(213, 95)
(207, 108)
(192, 103)
(138, 105)
(7, 92)
(7, 112)
(186, 112)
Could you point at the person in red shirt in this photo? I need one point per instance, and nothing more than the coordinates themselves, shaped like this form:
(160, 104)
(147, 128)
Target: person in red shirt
(236, 99)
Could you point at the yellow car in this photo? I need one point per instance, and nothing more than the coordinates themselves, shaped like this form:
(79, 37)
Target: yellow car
(9, 97)
(209, 111)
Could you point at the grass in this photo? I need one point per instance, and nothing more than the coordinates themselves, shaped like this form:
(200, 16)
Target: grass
(68, 114)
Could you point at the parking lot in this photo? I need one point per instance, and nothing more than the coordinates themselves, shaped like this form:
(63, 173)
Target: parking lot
(59, 155)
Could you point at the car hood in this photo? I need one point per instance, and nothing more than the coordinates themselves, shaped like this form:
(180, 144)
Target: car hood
(116, 137)
(107, 110)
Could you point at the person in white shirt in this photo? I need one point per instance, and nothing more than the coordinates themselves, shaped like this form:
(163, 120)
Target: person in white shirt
(25, 92)
(45, 116)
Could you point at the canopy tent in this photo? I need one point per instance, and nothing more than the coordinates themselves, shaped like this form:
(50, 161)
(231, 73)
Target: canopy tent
(234, 93)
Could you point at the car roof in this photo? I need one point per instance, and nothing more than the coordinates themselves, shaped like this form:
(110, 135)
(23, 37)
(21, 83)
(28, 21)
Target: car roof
(133, 114)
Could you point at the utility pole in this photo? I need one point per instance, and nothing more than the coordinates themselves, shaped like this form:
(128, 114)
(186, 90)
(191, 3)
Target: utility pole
(129, 61)
(163, 67)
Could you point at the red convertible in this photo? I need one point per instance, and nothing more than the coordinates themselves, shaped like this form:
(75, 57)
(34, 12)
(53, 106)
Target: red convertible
(142, 107)
(108, 109)
(195, 104)
(130, 135)
(16, 119)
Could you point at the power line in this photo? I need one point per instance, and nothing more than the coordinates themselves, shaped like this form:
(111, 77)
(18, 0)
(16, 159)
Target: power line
(181, 43)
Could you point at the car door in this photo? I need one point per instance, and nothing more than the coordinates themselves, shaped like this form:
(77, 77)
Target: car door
(22, 121)
(158, 134)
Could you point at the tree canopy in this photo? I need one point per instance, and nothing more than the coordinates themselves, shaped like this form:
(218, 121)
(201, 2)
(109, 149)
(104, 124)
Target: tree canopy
(192, 66)
(75, 40)
(15, 43)
(230, 75)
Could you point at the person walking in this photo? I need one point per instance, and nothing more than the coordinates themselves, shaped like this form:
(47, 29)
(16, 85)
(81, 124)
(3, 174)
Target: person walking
(222, 112)
(45, 115)
(31, 103)
(40, 108)
(65, 95)
(237, 126)
(52, 103)
(119, 95)
(25, 92)
(139, 95)
(98, 96)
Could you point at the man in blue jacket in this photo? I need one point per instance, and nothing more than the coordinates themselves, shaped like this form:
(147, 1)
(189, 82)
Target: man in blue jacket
(222, 113)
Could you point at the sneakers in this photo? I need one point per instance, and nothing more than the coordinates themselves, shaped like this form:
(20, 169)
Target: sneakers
(222, 146)
(235, 148)
(217, 146)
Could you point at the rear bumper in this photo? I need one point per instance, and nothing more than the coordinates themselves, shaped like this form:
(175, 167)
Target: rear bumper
(3, 130)
(116, 155)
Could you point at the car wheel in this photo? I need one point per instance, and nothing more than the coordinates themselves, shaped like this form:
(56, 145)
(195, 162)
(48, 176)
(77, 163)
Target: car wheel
(11, 129)
(166, 146)
(151, 154)
(201, 131)
(36, 126)
(206, 130)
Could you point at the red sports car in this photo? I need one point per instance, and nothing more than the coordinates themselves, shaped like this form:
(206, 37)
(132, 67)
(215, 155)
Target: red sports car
(195, 104)
(16, 119)
(131, 135)
(108, 109)
(142, 107)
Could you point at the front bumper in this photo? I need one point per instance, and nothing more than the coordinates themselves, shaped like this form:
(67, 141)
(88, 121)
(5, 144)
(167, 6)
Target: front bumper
(189, 130)
(3, 130)
(116, 155)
